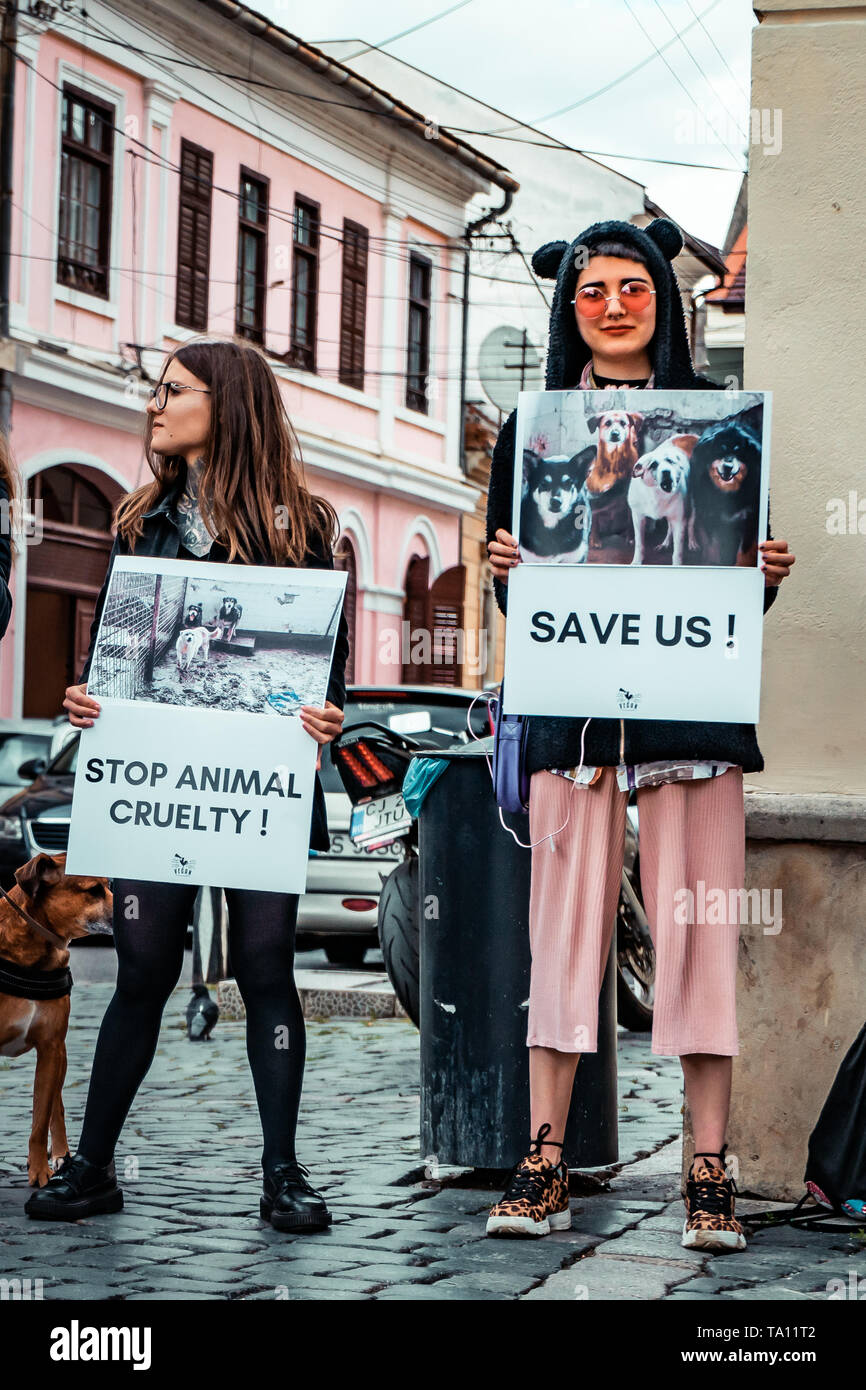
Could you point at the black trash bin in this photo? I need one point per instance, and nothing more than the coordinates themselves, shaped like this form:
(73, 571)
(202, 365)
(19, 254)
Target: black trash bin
(474, 987)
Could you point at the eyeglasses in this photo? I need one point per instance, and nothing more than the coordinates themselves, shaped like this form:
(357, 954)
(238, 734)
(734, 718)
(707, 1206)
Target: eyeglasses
(159, 394)
(591, 303)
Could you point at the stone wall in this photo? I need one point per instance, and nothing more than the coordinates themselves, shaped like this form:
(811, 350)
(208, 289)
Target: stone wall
(801, 997)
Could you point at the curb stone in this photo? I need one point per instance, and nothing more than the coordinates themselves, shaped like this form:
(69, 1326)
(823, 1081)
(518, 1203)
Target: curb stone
(327, 994)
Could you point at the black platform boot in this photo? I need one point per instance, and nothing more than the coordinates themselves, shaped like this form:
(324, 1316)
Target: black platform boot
(289, 1202)
(78, 1188)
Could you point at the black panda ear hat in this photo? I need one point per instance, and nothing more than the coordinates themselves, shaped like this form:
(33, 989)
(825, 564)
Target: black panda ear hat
(567, 353)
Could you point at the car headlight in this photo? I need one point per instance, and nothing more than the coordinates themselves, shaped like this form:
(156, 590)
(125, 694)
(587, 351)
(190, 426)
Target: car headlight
(10, 828)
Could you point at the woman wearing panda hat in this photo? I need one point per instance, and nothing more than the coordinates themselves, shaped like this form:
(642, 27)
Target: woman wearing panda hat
(617, 320)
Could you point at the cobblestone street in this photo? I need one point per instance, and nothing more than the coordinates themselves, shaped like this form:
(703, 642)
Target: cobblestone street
(188, 1162)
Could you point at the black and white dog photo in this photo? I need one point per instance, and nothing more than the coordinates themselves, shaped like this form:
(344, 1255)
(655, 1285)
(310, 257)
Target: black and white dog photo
(554, 516)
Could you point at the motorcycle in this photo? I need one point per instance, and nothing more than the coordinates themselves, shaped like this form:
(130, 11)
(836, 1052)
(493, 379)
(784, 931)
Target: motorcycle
(371, 760)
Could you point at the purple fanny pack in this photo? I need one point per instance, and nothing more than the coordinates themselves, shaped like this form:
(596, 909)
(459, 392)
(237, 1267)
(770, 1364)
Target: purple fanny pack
(510, 777)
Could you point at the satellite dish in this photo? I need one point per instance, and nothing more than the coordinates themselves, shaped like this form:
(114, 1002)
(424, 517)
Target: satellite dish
(508, 362)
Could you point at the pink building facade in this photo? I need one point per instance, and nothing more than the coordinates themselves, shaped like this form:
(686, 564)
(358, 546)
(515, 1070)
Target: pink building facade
(155, 201)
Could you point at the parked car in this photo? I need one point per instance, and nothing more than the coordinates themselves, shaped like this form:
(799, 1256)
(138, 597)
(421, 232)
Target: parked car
(36, 817)
(21, 740)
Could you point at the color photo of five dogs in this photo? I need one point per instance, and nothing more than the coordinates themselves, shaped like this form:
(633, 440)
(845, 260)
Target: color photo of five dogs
(623, 477)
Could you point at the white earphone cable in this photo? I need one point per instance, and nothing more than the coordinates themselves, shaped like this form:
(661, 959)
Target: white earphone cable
(550, 836)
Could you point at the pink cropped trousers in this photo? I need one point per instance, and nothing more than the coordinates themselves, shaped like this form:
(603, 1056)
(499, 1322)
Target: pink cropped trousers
(690, 831)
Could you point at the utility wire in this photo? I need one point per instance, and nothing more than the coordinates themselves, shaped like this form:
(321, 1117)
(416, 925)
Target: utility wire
(284, 215)
(551, 143)
(674, 73)
(383, 43)
(603, 154)
(736, 119)
(615, 82)
(745, 95)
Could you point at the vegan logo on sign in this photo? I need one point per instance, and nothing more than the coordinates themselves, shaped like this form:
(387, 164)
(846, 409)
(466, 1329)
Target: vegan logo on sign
(181, 867)
(628, 699)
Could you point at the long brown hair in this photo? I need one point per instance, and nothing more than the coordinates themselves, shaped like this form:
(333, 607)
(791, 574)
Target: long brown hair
(252, 475)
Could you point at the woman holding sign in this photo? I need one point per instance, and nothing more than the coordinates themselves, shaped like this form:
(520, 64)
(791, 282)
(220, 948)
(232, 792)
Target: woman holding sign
(227, 486)
(617, 320)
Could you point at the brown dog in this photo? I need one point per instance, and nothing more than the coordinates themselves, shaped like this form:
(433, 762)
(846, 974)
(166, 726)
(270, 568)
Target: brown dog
(609, 473)
(68, 906)
(617, 451)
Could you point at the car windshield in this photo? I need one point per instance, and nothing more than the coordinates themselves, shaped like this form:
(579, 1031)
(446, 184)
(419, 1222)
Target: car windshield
(447, 722)
(67, 759)
(16, 749)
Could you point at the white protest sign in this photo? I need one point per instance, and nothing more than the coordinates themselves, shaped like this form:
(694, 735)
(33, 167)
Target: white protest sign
(638, 515)
(197, 769)
(653, 643)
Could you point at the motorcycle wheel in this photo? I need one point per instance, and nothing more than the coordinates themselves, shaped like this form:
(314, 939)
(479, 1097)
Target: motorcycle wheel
(635, 960)
(399, 933)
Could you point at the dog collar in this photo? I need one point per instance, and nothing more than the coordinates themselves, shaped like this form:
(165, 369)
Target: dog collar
(27, 982)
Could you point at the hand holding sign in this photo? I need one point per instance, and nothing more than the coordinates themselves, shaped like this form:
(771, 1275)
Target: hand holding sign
(503, 553)
(776, 562)
(324, 725)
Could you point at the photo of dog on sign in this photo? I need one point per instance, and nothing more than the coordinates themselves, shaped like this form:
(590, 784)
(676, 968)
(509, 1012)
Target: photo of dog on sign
(214, 643)
(623, 477)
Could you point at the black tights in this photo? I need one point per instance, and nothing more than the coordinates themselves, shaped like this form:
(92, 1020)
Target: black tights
(150, 924)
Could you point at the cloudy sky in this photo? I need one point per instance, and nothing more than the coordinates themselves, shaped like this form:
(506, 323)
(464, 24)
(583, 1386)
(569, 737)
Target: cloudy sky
(689, 103)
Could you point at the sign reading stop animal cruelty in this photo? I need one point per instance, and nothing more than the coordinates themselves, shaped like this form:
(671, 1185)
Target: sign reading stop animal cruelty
(638, 515)
(197, 769)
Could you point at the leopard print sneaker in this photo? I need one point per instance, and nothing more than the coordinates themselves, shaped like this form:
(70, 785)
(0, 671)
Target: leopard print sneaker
(710, 1222)
(536, 1199)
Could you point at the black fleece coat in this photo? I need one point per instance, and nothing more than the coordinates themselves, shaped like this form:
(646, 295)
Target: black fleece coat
(555, 741)
(161, 537)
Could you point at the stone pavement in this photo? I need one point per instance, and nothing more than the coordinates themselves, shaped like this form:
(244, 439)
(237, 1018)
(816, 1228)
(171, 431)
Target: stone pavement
(188, 1161)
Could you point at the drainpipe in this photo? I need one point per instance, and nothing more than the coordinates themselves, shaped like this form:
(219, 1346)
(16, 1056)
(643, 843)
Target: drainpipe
(468, 232)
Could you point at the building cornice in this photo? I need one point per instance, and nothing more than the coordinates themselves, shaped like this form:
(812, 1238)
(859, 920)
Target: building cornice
(66, 384)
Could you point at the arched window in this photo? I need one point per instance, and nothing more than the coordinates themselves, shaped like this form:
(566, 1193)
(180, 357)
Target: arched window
(344, 559)
(435, 617)
(65, 572)
(415, 613)
(70, 500)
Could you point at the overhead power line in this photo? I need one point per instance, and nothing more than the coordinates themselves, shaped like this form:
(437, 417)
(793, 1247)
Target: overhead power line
(672, 70)
(744, 94)
(701, 72)
(552, 142)
(615, 82)
(383, 43)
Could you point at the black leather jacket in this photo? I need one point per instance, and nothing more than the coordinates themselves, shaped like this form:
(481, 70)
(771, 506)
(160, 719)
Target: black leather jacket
(161, 538)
